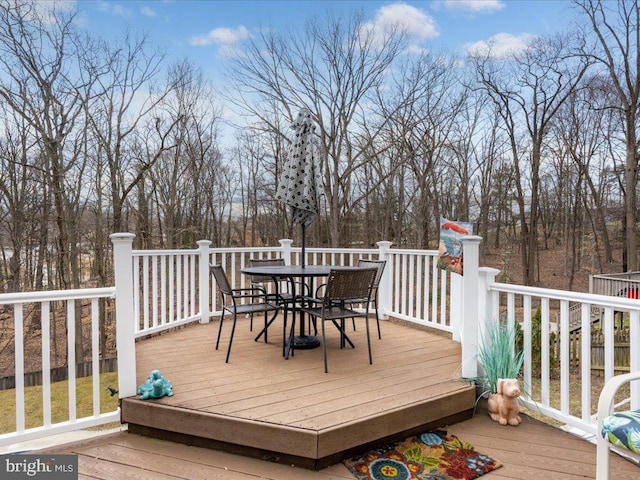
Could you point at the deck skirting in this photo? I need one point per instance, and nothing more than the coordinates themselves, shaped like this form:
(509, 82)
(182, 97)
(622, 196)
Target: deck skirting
(313, 449)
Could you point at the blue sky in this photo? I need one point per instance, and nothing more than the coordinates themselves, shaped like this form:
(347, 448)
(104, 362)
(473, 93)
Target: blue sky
(209, 31)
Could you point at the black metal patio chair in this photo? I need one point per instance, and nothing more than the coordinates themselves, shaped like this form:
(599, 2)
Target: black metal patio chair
(373, 299)
(241, 301)
(343, 286)
(285, 298)
(366, 263)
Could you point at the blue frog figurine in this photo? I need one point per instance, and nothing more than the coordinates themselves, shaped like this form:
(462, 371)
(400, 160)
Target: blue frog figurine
(156, 386)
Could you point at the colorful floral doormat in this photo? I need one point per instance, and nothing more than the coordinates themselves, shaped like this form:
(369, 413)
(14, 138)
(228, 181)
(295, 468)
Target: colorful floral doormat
(429, 456)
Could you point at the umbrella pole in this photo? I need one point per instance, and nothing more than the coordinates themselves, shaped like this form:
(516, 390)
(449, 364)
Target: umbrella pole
(303, 244)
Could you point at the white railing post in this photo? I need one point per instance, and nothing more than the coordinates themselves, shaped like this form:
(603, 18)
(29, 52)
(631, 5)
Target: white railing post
(285, 243)
(384, 289)
(203, 278)
(455, 308)
(125, 319)
(488, 301)
(469, 330)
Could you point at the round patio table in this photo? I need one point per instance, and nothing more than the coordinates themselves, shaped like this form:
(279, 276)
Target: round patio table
(302, 341)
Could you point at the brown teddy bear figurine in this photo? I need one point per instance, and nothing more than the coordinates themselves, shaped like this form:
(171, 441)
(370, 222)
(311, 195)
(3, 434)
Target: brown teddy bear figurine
(503, 405)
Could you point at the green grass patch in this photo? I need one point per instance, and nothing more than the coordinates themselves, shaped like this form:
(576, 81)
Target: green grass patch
(59, 402)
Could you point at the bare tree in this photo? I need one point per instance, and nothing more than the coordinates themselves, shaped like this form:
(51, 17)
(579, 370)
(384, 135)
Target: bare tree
(582, 129)
(22, 202)
(332, 67)
(616, 26)
(528, 88)
(119, 102)
(176, 180)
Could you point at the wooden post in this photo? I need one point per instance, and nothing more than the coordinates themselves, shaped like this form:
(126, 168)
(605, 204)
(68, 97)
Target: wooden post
(385, 287)
(488, 305)
(469, 330)
(203, 280)
(455, 307)
(125, 317)
(285, 243)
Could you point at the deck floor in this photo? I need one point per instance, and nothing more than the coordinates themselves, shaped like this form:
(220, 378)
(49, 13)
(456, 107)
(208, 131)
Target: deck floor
(530, 450)
(291, 409)
(414, 377)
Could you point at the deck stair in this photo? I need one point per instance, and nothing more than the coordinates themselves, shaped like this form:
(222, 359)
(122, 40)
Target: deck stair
(616, 284)
(575, 316)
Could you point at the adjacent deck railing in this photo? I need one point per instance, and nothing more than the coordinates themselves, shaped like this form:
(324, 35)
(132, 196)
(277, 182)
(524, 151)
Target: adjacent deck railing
(616, 284)
(28, 304)
(158, 290)
(573, 405)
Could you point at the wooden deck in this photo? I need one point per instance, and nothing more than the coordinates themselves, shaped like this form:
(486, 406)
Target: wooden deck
(273, 409)
(290, 410)
(530, 450)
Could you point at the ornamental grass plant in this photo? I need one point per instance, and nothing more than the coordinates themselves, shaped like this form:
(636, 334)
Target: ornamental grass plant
(498, 354)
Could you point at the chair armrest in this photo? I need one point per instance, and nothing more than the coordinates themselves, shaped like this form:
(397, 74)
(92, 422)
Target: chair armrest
(251, 292)
(304, 288)
(606, 403)
(608, 393)
(250, 289)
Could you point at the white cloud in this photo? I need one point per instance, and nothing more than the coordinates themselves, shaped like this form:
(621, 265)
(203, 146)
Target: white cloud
(148, 12)
(45, 10)
(500, 45)
(226, 38)
(417, 24)
(114, 9)
(474, 6)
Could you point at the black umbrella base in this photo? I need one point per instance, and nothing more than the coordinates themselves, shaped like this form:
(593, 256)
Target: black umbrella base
(305, 342)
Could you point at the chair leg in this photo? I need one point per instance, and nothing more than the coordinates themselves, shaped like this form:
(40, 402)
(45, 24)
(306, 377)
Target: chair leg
(343, 335)
(312, 320)
(602, 458)
(368, 337)
(233, 330)
(291, 347)
(267, 324)
(266, 328)
(220, 329)
(324, 347)
(375, 305)
(284, 333)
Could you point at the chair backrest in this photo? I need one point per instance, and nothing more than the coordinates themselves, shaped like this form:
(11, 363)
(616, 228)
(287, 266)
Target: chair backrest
(264, 262)
(378, 264)
(221, 279)
(349, 284)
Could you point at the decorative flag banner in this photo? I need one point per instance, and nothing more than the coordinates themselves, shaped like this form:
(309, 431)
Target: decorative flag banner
(450, 248)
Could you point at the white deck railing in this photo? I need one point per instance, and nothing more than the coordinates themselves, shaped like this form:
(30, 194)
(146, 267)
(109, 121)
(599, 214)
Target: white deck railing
(574, 405)
(173, 287)
(24, 304)
(158, 290)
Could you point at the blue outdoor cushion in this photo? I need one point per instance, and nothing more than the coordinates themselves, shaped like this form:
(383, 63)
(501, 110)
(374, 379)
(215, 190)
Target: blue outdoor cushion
(623, 429)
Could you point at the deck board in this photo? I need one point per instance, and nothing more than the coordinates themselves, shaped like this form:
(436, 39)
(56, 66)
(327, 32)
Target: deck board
(530, 450)
(260, 400)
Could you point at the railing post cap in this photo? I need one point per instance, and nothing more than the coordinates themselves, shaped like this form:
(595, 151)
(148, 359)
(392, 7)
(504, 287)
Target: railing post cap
(285, 241)
(122, 236)
(384, 244)
(204, 243)
(489, 270)
(472, 238)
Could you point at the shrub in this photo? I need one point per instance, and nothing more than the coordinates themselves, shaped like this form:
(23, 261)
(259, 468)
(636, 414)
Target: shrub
(498, 353)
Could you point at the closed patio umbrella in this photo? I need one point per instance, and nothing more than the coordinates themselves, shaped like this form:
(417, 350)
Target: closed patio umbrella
(299, 183)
